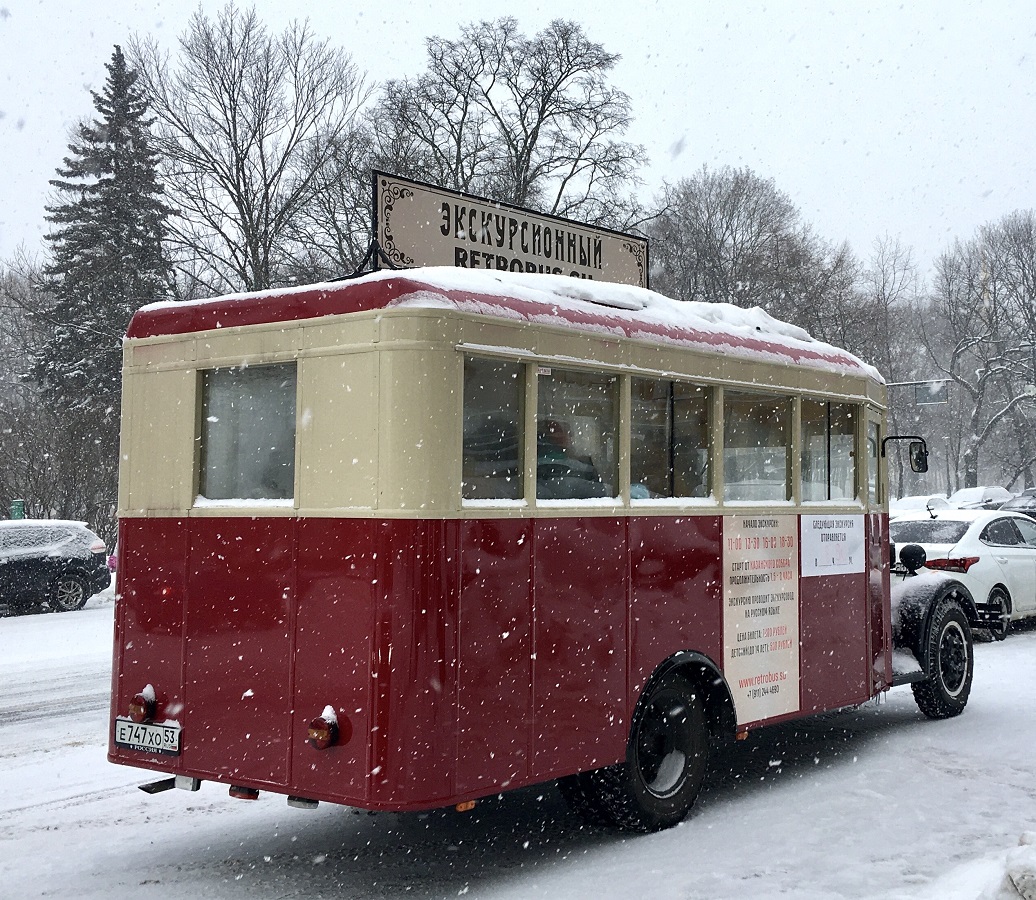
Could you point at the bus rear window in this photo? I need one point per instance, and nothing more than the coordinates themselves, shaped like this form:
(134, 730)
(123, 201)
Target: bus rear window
(248, 433)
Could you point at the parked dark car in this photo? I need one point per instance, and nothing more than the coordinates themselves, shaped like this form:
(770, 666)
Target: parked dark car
(50, 562)
(989, 497)
(1024, 504)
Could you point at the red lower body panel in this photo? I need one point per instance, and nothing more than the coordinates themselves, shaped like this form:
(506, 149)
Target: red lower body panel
(461, 657)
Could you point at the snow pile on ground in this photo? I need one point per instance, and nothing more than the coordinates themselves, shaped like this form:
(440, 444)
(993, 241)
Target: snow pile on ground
(1008, 875)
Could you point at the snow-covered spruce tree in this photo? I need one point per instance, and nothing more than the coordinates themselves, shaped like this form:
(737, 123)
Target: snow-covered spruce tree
(106, 261)
(106, 248)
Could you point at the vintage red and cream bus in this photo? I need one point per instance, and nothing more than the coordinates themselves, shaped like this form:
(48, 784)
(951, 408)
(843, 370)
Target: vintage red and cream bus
(409, 540)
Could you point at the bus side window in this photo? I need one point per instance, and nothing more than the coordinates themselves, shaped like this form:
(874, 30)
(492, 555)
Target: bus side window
(492, 464)
(828, 457)
(691, 434)
(669, 439)
(873, 444)
(650, 439)
(756, 447)
(842, 438)
(248, 433)
(577, 453)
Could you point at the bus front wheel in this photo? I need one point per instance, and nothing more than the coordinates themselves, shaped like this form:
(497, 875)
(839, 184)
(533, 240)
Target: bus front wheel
(951, 663)
(666, 761)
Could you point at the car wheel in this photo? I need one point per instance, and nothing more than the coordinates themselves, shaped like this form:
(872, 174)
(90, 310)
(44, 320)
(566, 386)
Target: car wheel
(1000, 607)
(666, 760)
(950, 663)
(69, 593)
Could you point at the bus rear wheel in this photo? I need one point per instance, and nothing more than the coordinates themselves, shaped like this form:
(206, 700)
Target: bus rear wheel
(666, 760)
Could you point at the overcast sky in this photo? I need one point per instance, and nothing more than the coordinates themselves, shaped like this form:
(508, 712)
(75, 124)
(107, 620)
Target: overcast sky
(911, 119)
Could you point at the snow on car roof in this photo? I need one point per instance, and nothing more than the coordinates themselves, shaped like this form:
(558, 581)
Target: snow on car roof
(976, 493)
(961, 515)
(588, 306)
(919, 501)
(20, 536)
(17, 523)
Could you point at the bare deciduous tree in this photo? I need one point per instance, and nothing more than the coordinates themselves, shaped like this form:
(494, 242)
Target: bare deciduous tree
(970, 333)
(889, 292)
(528, 121)
(246, 122)
(731, 236)
(718, 237)
(19, 334)
(1010, 250)
(890, 287)
(332, 231)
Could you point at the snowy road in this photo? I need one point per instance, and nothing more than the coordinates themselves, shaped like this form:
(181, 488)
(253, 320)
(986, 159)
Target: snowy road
(872, 803)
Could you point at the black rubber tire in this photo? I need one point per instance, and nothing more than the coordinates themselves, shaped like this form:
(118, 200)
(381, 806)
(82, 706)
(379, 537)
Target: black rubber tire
(666, 759)
(999, 631)
(950, 656)
(69, 593)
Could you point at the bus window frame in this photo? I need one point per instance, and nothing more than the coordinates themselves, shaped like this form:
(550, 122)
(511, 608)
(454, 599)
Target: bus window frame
(858, 413)
(613, 381)
(520, 421)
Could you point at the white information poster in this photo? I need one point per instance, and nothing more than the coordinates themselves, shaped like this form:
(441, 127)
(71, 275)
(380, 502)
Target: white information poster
(761, 614)
(832, 545)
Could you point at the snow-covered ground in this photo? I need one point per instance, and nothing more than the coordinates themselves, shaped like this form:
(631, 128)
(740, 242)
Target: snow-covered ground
(870, 803)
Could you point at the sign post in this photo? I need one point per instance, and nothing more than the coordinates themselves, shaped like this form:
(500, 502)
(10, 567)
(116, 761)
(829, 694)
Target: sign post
(933, 391)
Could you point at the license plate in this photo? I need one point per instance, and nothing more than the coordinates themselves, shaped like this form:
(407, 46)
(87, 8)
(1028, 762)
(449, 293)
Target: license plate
(147, 738)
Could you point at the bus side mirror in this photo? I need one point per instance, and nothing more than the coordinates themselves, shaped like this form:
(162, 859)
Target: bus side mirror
(918, 453)
(917, 450)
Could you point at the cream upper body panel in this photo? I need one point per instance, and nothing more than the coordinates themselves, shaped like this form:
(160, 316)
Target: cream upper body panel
(378, 405)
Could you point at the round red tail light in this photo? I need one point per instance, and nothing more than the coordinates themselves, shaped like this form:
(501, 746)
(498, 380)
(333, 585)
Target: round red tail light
(142, 707)
(323, 732)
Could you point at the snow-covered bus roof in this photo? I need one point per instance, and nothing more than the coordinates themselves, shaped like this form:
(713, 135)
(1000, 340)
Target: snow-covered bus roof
(608, 310)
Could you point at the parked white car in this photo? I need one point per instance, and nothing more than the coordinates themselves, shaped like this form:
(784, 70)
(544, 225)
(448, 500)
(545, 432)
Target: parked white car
(989, 497)
(991, 552)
